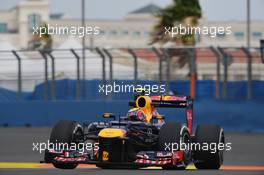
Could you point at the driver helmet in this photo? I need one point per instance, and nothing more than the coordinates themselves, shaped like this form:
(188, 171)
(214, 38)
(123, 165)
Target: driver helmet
(136, 114)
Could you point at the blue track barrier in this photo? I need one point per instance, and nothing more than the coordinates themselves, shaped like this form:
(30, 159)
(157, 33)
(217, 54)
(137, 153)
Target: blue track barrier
(233, 115)
(66, 90)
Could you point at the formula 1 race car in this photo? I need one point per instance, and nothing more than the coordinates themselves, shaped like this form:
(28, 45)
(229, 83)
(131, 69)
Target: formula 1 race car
(139, 139)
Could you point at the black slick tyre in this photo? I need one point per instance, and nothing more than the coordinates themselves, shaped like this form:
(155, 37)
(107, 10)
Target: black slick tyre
(66, 131)
(211, 135)
(175, 133)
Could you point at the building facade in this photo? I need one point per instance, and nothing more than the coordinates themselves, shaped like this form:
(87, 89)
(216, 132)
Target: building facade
(133, 31)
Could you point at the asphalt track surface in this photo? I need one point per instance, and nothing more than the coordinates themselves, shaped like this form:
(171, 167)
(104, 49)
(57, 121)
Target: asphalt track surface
(17, 157)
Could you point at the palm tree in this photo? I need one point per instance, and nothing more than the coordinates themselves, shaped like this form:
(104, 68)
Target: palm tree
(41, 42)
(46, 38)
(185, 12)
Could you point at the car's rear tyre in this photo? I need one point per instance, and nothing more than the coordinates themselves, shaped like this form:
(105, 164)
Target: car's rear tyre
(175, 133)
(66, 131)
(210, 135)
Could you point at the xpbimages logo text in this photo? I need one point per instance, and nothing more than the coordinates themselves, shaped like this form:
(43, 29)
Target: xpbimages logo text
(211, 31)
(130, 88)
(80, 147)
(94, 146)
(78, 31)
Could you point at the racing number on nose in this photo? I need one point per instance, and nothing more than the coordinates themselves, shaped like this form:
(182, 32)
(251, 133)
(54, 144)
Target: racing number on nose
(105, 156)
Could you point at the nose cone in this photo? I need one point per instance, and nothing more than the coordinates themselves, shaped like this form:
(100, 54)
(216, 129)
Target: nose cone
(112, 133)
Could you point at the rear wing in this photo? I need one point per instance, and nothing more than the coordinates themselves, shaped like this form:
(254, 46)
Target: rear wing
(169, 101)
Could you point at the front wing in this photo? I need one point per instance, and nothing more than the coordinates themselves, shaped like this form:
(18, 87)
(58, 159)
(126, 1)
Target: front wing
(143, 158)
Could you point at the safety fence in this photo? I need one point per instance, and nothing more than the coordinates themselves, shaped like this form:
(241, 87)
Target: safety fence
(223, 72)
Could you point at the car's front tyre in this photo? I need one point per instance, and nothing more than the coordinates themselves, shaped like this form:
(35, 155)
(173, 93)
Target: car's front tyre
(66, 131)
(175, 133)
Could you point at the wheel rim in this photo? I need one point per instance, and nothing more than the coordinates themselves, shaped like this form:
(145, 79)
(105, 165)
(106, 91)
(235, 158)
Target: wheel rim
(187, 151)
(221, 152)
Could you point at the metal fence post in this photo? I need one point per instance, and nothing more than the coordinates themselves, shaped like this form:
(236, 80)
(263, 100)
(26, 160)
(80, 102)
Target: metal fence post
(168, 60)
(262, 50)
(135, 65)
(159, 56)
(19, 76)
(103, 64)
(225, 62)
(53, 84)
(110, 64)
(217, 83)
(78, 85)
(46, 83)
(193, 70)
(249, 72)
(103, 67)
(109, 55)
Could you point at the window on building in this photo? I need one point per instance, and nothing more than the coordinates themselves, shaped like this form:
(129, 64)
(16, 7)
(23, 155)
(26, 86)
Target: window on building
(239, 35)
(34, 20)
(3, 27)
(113, 32)
(124, 33)
(146, 34)
(257, 35)
(220, 35)
(102, 32)
(136, 34)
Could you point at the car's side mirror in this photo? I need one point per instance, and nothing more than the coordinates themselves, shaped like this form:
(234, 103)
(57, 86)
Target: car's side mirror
(159, 117)
(109, 115)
